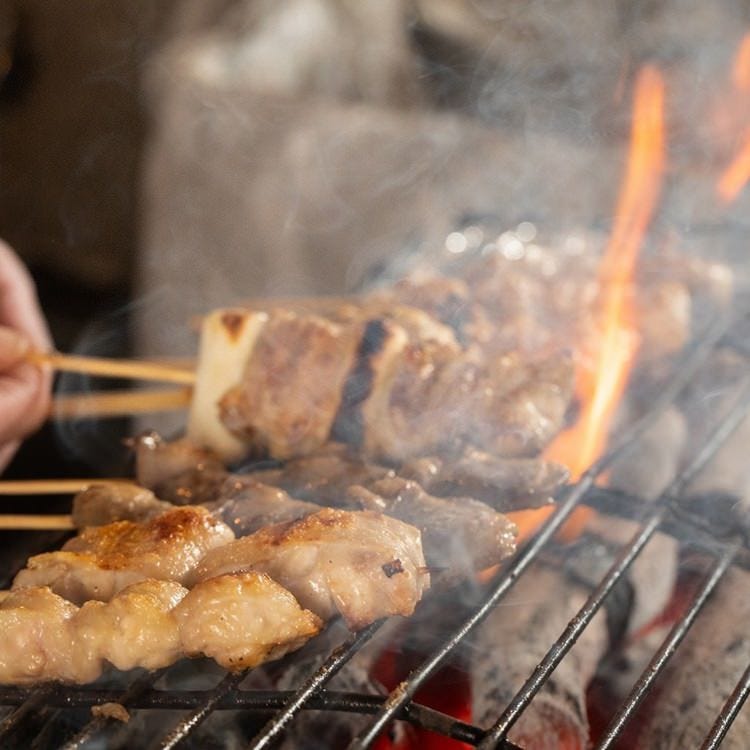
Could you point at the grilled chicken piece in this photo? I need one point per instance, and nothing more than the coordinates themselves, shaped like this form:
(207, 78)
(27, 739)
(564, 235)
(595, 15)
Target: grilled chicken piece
(242, 620)
(292, 386)
(248, 505)
(503, 483)
(239, 620)
(158, 460)
(459, 536)
(135, 628)
(102, 560)
(409, 399)
(104, 503)
(360, 564)
(36, 643)
(178, 471)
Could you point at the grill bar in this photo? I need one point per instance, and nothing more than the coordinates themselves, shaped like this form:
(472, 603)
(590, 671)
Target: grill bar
(728, 713)
(572, 496)
(575, 627)
(98, 723)
(314, 684)
(666, 651)
(398, 705)
(193, 720)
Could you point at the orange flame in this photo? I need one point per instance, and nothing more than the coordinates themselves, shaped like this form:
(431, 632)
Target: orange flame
(602, 377)
(737, 173)
(741, 66)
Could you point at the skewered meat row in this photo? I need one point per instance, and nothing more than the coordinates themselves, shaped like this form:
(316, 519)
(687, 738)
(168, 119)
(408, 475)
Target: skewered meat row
(181, 472)
(432, 365)
(240, 620)
(381, 374)
(360, 564)
(101, 561)
(458, 537)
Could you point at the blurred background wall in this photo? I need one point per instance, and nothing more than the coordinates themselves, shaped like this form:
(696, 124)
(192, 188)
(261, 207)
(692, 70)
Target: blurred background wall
(159, 157)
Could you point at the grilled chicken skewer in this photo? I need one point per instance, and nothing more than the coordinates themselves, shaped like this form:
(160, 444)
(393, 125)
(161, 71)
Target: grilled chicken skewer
(360, 564)
(239, 620)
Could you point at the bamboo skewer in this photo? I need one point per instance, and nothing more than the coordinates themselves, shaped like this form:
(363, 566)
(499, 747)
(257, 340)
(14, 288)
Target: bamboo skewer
(114, 368)
(119, 403)
(52, 486)
(27, 522)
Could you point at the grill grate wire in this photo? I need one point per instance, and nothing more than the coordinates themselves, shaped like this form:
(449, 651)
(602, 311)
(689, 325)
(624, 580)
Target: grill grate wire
(665, 514)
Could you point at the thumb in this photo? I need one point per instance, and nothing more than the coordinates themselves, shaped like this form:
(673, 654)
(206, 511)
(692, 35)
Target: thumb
(14, 346)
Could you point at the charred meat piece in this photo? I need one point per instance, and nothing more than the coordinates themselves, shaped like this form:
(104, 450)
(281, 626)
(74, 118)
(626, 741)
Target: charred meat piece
(325, 475)
(532, 618)
(248, 505)
(104, 503)
(503, 483)
(179, 471)
(239, 620)
(362, 565)
(292, 386)
(158, 460)
(242, 620)
(412, 399)
(459, 536)
(102, 560)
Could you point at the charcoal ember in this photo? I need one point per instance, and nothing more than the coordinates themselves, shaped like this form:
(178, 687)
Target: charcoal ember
(510, 643)
(703, 673)
(713, 392)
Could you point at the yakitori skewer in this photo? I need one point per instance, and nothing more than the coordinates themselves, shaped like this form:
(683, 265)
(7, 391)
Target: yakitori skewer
(114, 368)
(51, 486)
(120, 403)
(35, 522)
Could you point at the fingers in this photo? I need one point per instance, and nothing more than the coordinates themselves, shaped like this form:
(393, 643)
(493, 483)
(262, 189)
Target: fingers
(24, 401)
(13, 348)
(19, 305)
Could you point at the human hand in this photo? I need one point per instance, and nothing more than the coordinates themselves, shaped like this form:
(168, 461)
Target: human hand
(24, 388)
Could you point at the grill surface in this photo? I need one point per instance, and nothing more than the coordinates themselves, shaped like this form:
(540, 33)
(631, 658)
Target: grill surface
(41, 706)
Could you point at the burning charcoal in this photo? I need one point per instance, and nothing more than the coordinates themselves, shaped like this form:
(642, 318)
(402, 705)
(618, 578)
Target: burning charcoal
(703, 673)
(314, 729)
(509, 645)
(712, 393)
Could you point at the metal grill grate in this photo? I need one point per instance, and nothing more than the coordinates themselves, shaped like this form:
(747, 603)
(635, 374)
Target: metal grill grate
(665, 514)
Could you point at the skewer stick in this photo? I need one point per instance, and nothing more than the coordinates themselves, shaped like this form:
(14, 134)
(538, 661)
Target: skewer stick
(117, 403)
(52, 486)
(21, 522)
(114, 368)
